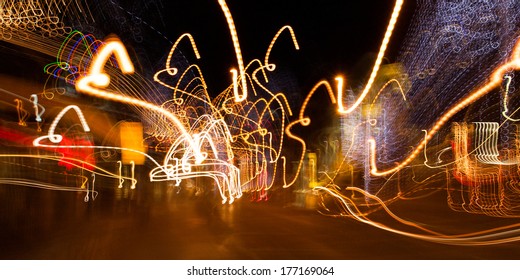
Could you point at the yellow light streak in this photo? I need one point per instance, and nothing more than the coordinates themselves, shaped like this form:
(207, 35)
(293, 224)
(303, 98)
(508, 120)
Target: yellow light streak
(97, 78)
(238, 52)
(22, 113)
(499, 235)
(272, 66)
(169, 69)
(379, 59)
(506, 93)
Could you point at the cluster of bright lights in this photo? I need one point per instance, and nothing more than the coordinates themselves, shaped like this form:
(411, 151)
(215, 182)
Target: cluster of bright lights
(487, 177)
(29, 16)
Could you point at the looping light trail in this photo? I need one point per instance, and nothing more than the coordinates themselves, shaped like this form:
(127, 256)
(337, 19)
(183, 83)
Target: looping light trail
(270, 66)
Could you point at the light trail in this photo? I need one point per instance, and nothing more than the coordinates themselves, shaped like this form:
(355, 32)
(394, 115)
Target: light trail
(377, 64)
(238, 52)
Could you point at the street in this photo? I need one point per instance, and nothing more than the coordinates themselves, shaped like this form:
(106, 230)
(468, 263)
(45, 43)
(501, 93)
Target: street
(155, 222)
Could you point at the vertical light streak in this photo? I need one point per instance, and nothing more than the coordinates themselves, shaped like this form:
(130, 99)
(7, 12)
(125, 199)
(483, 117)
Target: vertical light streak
(34, 99)
(506, 93)
(119, 174)
(132, 170)
(22, 114)
(487, 142)
(234, 75)
(339, 83)
(238, 52)
(92, 190)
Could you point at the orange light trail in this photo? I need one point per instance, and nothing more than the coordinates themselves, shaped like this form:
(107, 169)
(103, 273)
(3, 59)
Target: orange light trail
(377, 64)
(238, 52)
